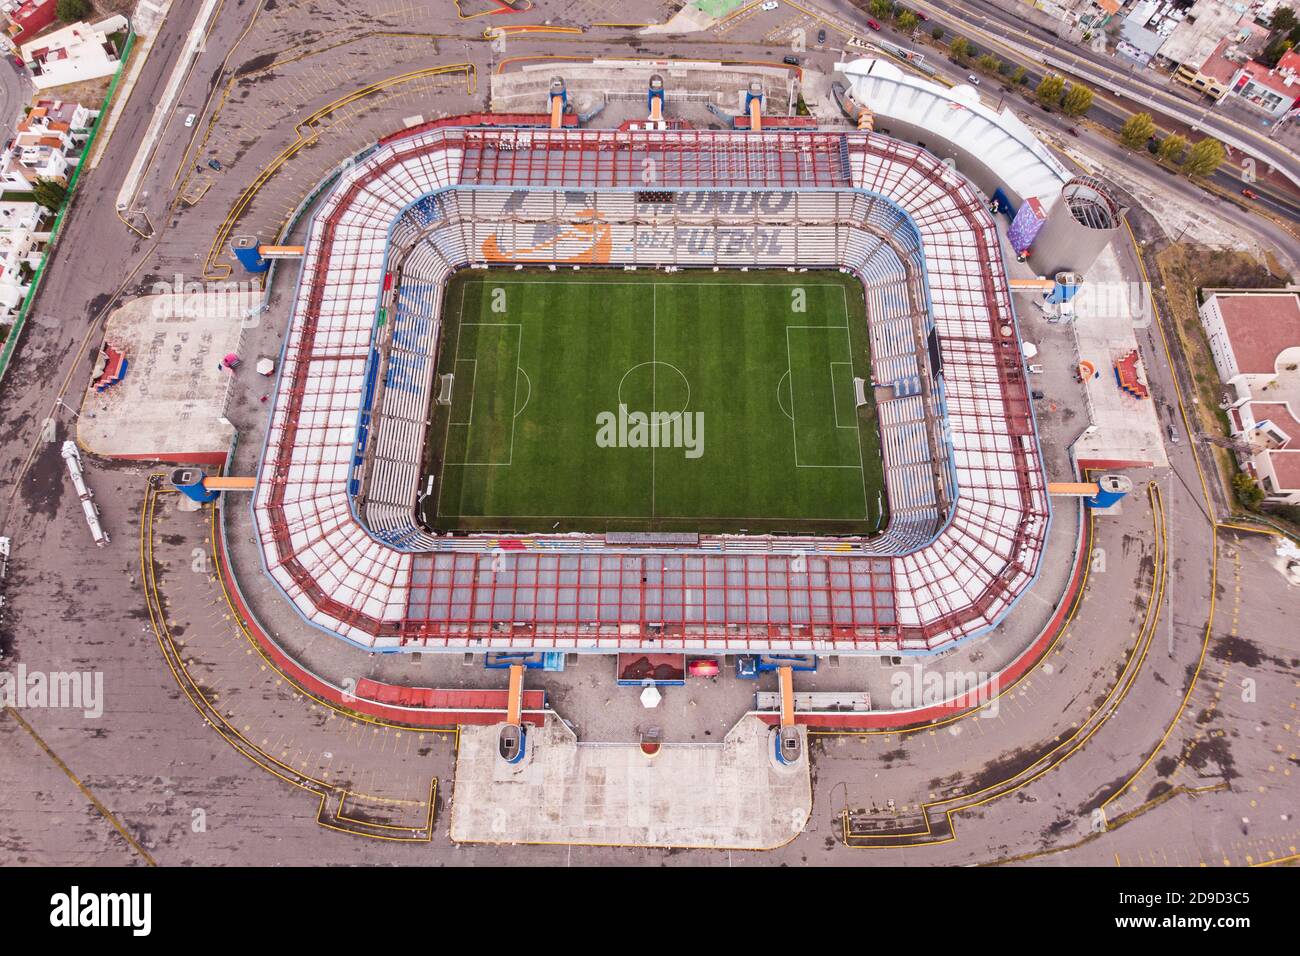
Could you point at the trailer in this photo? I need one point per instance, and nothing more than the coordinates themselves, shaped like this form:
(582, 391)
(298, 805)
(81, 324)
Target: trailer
(796, 662)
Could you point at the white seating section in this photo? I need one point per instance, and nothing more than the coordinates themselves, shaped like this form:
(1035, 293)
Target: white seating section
(343, 463)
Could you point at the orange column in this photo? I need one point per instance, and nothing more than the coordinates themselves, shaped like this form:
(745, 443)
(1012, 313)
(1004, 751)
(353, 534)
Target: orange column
(515, 703)
(786, 675)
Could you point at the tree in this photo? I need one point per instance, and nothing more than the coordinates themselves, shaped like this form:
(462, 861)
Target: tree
(959, 47)
(881, 8)
(936, 33)
(1137, 130)
(1078, 100)
(907, 21)
(1284, 19)
(1172, 148)
(1203, 158)
(1050, 88)
(1275, 51)
(1248, 493)
(70, 10)
(1019, 76)
(50, 193)
(989, 63)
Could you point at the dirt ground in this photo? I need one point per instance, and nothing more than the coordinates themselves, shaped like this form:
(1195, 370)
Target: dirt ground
(89, 93)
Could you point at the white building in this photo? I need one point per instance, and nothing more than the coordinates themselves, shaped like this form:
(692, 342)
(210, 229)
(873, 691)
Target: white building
(1255, 341)
(77, 52)
(45, 144)
(31, 157)
(21, 249)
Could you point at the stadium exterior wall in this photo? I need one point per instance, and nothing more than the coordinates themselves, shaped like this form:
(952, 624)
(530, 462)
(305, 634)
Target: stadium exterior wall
(976, 297)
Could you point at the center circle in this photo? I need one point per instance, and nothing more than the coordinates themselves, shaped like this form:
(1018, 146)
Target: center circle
(655, 387)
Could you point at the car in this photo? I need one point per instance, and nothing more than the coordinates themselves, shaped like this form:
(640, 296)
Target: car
(769, 5)
(791, 60)
(972, 79)
(1250, 193)
(18, 62)
(1173, 435)
(821, 36)
(1073, 131)
(873, 24)
(922, 15)
(214, 164)
(189, 121)
(1037, 394)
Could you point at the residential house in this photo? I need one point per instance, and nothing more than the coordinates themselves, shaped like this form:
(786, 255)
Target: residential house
(70, 122)
(1214, 76)
(1201, 29)
(27, 18)
(1255, 342)
(22, 245)
(1273, 92)
(46, 143)
(1136, 42)
(77, 52)
(33, 156)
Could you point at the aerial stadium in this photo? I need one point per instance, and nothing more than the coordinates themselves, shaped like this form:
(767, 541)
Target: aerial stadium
(412, 491)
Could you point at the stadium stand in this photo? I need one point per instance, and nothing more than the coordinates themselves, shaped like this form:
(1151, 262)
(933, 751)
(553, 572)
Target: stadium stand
(340, 477)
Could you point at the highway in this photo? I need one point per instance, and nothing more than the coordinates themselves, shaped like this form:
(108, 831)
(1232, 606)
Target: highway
(1107, 112)
(961, 15)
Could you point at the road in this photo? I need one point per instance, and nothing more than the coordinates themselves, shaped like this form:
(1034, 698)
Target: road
(962, 14)
(1276, 194)
(15, 93)
(77, 291)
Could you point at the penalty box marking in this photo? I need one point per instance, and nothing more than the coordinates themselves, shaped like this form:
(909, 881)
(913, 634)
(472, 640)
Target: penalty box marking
(794, 426)
(519, 344)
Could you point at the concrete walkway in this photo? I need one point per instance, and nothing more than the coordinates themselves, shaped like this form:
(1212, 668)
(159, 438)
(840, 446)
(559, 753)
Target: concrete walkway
(730, 795)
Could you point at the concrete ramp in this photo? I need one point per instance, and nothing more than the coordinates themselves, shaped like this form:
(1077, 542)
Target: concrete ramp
(729, 795)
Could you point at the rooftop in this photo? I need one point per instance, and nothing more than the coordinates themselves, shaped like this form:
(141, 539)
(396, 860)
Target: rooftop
(1260, 327)
(1208, 22)
(1286, 469)
(1286, 83)
(1218, 66)
(1279, 413)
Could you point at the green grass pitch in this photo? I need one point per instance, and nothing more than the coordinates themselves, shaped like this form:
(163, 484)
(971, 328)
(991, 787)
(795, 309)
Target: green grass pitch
(751, 375)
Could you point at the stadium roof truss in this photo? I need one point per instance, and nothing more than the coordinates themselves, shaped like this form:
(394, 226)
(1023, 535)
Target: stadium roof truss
(341, 470)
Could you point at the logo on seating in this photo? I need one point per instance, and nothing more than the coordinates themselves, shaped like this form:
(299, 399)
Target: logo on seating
(586, 240)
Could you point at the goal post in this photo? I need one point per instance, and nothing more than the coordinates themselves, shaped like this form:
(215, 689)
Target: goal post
(445, 383)
(859, 391)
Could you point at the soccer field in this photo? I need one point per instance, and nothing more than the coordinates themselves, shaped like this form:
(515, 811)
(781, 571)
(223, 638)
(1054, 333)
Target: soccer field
(601, 401)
